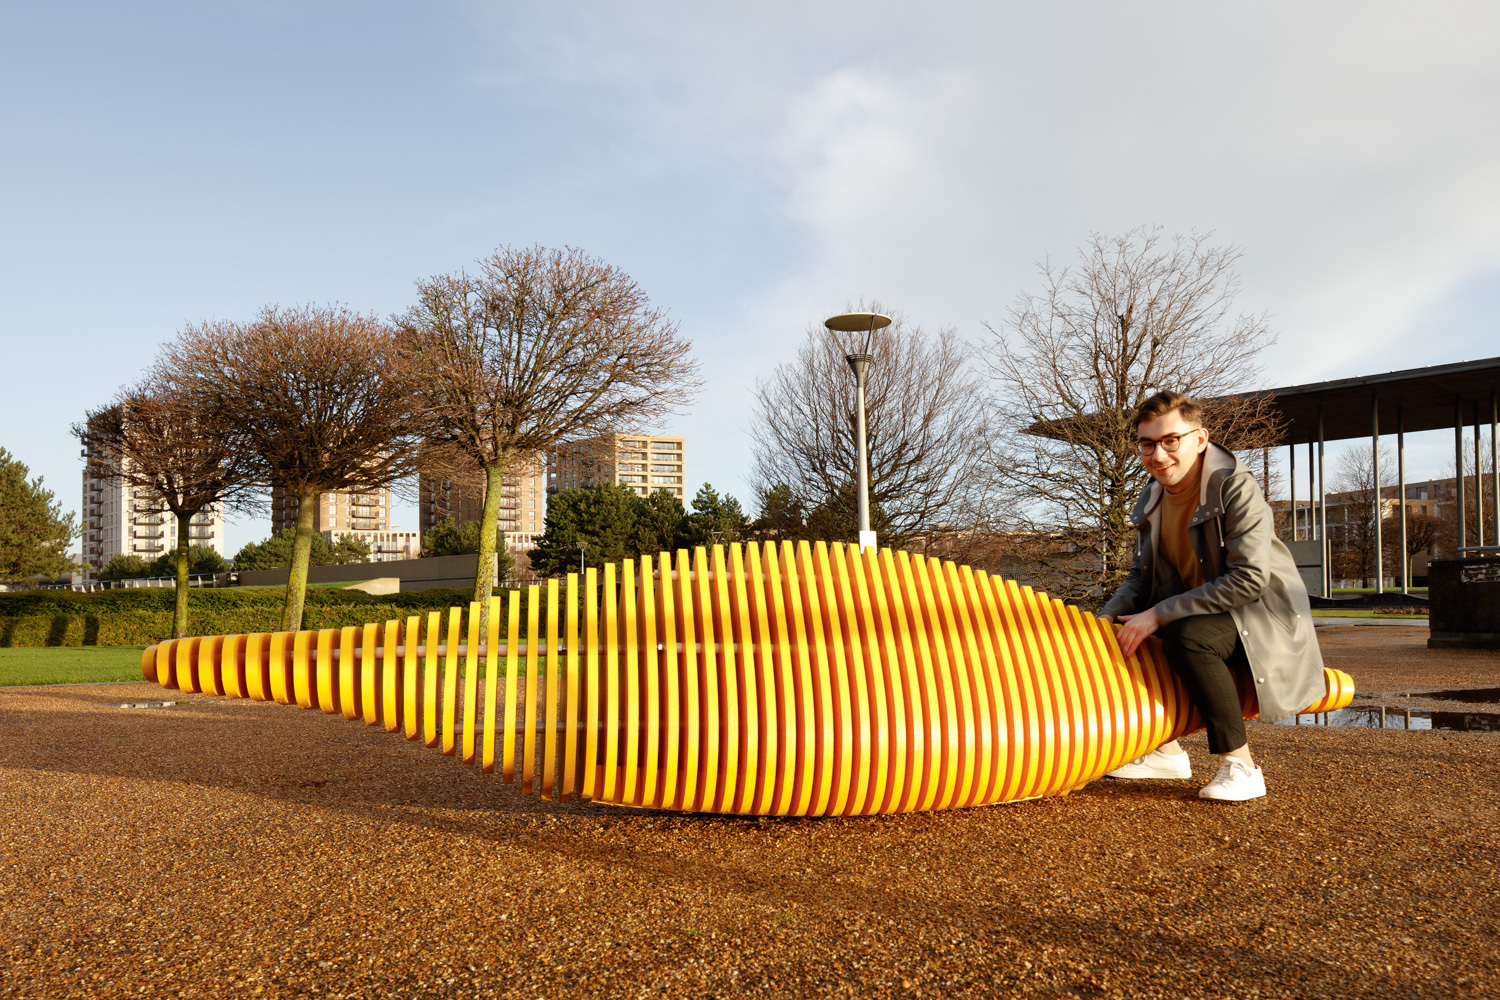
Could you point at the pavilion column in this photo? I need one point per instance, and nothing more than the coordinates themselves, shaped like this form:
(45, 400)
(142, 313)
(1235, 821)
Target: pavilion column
(1323, 510)
(1291, 475)
(1401, 497)
(1478, 482)
(1375, 469)
(1312, 490)
(1458, 476)
(1495, 458)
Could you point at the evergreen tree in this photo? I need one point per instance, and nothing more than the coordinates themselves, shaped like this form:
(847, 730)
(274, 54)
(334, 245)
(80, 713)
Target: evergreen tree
(782, 515)
(611, 521)
(714, 519)
(201, 559)
(449, 538)
(276, 552)
(34, 532)
(124, 566)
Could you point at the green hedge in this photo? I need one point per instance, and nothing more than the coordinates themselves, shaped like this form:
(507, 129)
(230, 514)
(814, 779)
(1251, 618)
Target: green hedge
(139, 617)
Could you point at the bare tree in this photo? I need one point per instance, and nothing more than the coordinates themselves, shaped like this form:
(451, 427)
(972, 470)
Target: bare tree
(314, 394)
(537, 347)
(926, 431)
(1351, 531)
(1137, 314)
(172, 449)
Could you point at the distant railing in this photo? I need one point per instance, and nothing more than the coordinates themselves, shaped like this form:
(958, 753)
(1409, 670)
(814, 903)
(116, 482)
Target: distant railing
(135, 583)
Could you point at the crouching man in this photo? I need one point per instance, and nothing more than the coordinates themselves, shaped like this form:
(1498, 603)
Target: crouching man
(1211, 577)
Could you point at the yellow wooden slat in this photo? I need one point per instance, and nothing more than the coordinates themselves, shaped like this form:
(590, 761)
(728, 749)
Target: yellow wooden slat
(257, 666)
(183, 663)
(742, 665)
(1004, 687)
(835, 634)
(1026, 723)
(1106, 702)
(611, 708)
(892, 679)
(491, 684)
(533, 651)
(369, 674)
(690, 709)
(871, 673)
(232, 665)
(784, 671)
(950, 709)
(430, 679)
(471, 680)
(1087, 734)
(208, 666)
(912, 760)
(553, 668)
(409, 686)
(709, 721)
(348, 691)
(450, 681)
(390, 689)
(305, 646)
(650, 669)
(762, 679)
(928, 771)
(512, 678)
(1054, 698)
(805, 732)
(965, 600)
(570, 713)
(631, 708)
(730, 704)
(1045, 753)
(593, 686)
(669, 724)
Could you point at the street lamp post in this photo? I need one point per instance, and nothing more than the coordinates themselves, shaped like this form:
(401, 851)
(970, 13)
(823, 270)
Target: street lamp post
(866, 323)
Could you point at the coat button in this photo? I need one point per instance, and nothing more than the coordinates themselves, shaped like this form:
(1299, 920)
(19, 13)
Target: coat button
(1260, 680)
(1244, 633)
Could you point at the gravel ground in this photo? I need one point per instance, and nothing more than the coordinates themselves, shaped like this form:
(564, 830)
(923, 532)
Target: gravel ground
(229, 849)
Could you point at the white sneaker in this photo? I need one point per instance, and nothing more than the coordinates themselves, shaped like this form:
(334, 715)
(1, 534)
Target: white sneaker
(1155, 765)
(1235, 782)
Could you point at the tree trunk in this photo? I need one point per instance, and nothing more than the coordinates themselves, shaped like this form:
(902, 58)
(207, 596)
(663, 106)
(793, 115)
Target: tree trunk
(179, 610)
(296, 578)
(484, 568)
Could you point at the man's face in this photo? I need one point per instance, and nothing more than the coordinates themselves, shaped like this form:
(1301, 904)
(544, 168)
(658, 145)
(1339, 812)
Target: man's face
(1168, 467)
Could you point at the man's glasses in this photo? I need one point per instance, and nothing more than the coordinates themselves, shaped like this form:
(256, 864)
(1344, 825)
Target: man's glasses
(1169, 443)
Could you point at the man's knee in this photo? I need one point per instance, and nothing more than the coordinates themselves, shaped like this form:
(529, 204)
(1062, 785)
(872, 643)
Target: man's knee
(1197, 634)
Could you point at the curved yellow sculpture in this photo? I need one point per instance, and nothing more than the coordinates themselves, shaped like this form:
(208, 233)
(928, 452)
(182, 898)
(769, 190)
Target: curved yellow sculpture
(800, 680)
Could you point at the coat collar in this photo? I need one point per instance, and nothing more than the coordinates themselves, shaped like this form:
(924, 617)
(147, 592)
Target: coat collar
(1219, 463)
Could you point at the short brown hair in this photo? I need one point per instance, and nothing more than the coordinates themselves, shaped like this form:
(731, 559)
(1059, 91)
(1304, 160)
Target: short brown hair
(1165, 402)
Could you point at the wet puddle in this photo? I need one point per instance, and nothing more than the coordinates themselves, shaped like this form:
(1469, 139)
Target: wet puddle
(1467, 695)
(1400, 718)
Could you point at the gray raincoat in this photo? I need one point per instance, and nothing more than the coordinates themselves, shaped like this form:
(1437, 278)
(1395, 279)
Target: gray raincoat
(1248, 572)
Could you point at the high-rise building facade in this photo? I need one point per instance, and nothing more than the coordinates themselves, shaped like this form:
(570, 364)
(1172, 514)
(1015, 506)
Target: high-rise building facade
(523, 504)
(363, 514)
(119, 519)
(644, 462)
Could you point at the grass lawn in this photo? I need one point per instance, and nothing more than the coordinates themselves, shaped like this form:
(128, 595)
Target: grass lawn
(1360, 613)
(69, 664)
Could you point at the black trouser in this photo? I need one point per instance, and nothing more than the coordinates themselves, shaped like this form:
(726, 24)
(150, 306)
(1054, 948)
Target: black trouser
(1204, 651)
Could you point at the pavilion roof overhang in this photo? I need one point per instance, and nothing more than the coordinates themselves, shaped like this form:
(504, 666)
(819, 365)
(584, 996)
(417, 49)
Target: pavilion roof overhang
(1422, 398)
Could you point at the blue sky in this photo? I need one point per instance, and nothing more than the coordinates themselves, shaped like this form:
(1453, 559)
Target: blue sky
(754, 169)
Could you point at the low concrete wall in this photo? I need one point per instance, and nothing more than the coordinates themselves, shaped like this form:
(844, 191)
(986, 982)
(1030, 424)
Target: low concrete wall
(414, 574)
(1464, 596)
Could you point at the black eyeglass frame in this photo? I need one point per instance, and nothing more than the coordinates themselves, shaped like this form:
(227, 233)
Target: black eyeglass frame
(1147, 446)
